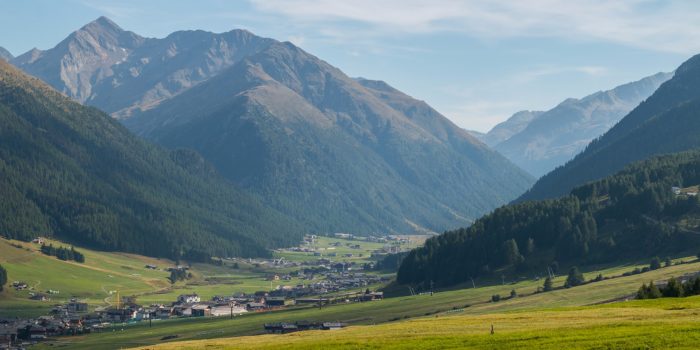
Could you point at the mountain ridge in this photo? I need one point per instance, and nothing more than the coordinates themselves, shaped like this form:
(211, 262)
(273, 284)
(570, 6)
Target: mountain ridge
(330, 119)
(540, 141)
(75, 173)
(669, 109)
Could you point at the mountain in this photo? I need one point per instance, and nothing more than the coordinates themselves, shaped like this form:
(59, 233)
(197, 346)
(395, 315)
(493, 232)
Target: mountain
(666, 122)
(337, 153)
(540, 141)
(73, 172)
(5, 55)
(123, 73)
(632, 215)
(512, 126)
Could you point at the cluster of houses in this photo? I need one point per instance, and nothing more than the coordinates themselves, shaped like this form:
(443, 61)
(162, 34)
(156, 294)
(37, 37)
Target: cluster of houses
(67, 319)
(691, 191)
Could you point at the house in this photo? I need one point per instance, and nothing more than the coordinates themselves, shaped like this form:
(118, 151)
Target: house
(281, 328)
(77, 307)
(332, 325)
(278, 301)
(676, 190)
(38, 240)
(36, 332)
(8, 335)
(39, 297)
(151, 267)
(255, 306)
(162, 312)
(692, 193)
(227, 310)
(188, 298)
(371, 296)
(17, 285)
(201, 310)
(118, 315)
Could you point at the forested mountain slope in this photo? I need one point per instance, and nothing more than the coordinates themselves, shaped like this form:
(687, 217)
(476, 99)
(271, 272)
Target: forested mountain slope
(73, 172)
(633, 214)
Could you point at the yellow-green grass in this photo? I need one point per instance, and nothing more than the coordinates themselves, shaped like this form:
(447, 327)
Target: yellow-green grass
(102, 272)
(389, 310)
(664, 323)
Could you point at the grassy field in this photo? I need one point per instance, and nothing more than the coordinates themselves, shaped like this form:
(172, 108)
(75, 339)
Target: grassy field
(93, 280)
(473, 301)
(648, 324)
(104, 272)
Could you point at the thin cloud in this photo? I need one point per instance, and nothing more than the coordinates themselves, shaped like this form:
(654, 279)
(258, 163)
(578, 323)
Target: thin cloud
(671, 26)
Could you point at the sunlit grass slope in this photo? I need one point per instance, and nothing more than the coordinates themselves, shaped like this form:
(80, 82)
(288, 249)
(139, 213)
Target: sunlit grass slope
(666, 323)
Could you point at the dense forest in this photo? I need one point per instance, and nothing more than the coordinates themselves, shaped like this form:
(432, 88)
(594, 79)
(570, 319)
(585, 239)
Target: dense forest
(72, 172)
(632, 214)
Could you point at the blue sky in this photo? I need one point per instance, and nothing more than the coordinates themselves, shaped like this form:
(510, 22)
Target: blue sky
(477, 62)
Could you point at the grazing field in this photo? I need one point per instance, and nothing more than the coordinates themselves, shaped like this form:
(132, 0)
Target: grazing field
(92, 281)
(466, 303)
(106, 272)
(662, 323)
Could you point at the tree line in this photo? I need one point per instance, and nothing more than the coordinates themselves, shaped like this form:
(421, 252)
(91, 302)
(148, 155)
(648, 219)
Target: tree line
(63, 253)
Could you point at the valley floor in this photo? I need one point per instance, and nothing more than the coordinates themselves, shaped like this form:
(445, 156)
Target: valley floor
(458, 318)
(662, 323)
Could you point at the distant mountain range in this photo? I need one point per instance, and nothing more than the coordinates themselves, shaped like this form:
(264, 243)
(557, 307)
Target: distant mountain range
(666, 122)
(540, 141)
(336, 153)
(74, 173)
(123, 73)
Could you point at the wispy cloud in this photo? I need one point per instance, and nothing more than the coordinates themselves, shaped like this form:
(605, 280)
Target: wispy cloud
(531, 75)
(670, 26)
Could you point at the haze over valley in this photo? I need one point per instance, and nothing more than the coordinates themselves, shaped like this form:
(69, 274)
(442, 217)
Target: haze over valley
(407, 174)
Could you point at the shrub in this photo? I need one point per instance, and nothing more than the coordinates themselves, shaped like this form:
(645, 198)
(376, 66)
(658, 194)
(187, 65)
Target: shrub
(655, 263)
(547, 284)
(575, 278)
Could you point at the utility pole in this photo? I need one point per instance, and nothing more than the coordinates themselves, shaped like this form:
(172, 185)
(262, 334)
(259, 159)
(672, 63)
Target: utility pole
(431, 287)
(473, 284)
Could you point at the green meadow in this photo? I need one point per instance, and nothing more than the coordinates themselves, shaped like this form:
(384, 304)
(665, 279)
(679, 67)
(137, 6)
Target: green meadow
(463, 305)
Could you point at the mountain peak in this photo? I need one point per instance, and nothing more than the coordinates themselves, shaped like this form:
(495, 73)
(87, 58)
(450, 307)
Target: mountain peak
(102, 23)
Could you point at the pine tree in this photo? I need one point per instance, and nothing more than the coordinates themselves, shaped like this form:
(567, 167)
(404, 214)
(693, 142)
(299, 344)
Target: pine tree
(3, 277)
(655, 263)
(653, 292)
(673, 289)
(547, 284)
(642, 293)
(575, 278)
(511, 252)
